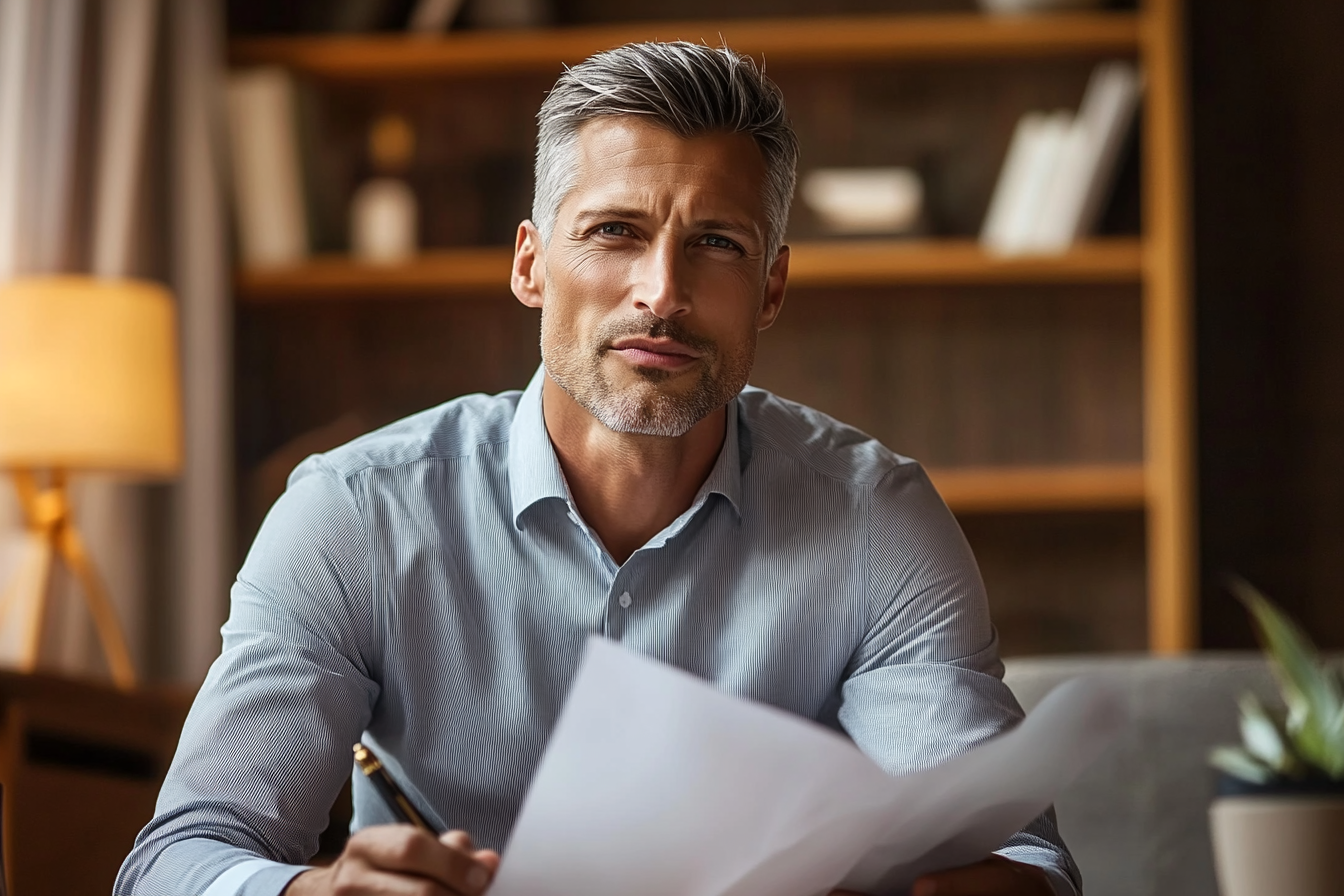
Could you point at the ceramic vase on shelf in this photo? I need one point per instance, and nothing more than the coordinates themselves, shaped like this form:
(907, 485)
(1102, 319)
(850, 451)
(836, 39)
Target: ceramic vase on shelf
(1030, 7)
(384, 216)
(1276, 839)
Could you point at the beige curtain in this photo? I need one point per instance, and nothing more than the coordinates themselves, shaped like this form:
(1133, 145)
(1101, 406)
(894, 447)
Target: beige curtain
(109, 164)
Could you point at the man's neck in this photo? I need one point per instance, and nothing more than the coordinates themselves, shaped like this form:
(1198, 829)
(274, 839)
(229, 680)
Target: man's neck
(628, 487)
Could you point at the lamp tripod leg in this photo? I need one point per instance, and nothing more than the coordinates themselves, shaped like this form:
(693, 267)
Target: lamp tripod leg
(36, 600)
(104, 617)
(24, 600)
(27, 592)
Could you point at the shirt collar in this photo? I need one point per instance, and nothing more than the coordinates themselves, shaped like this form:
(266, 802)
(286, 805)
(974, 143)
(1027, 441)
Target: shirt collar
(534, 470)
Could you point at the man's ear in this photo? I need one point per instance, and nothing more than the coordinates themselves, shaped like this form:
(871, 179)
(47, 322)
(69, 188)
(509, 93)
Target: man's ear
(775, 280)
(529, 266)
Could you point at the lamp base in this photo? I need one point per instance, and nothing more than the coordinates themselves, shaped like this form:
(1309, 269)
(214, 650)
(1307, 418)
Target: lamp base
(53, 535)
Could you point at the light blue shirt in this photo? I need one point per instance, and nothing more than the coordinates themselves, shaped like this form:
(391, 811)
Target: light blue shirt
(428, 588)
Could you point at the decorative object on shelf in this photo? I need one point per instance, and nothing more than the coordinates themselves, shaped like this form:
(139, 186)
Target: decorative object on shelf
(865, 200)
(1278, 822)
(88, 383)
(267, 179)
(433, 16)
(1060, 168)
(1028, 7)
(509, 13)
(384, 217)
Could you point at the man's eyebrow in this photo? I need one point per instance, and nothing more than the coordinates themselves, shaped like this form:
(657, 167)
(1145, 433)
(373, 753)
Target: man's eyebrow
(623, 213)
(609, 213)
(730, 226)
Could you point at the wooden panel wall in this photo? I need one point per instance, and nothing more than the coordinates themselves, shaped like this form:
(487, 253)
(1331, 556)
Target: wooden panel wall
(1268, 84)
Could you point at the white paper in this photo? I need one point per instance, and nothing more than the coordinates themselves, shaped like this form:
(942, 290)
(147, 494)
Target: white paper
(655, 783)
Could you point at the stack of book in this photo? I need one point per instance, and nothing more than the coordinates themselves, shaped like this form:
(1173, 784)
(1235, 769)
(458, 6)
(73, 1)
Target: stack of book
(1060, 167)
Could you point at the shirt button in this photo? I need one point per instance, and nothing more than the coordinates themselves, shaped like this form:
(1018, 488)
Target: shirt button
(624, 600)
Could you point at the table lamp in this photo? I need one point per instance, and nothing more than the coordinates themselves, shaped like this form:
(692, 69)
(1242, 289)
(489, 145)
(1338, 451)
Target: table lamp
(88, 383)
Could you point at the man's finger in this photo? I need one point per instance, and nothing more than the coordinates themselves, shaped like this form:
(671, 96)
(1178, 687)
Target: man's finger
(407, 850)
(486, 859)
(995, 876)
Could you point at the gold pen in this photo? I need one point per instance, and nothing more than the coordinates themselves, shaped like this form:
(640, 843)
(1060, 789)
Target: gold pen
(390, 791)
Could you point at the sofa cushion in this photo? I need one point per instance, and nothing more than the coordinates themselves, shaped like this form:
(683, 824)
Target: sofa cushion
(1137, 820)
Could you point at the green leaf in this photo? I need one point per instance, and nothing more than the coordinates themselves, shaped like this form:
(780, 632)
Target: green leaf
(1262, 739)
(1313, 693)
(1239, 764)
(1334, 747)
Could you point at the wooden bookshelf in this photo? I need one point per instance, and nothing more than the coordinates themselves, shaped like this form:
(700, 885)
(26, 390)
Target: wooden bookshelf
(810, 40)
(813, 264)
(1057, 387)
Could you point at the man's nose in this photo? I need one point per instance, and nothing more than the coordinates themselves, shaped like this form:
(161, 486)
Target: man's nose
(661, 286)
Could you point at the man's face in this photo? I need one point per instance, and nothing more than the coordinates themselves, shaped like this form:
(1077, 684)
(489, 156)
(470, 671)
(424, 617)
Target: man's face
(656, 278)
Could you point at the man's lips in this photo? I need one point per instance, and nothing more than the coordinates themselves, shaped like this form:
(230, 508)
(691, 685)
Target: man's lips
(663, 353)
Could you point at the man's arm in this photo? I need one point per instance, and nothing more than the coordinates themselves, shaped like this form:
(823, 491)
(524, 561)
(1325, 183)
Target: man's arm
(926, 683)
(266, 746)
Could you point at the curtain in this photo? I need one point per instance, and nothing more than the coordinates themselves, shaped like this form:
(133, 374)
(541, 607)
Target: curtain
(110, 165)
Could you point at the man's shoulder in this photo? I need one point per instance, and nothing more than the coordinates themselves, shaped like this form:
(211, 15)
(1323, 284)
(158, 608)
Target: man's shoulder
(455, 429)
(814, 440)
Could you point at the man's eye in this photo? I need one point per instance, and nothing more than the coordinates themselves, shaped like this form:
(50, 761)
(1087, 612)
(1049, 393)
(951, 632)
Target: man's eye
(720, 242)
(614, 230)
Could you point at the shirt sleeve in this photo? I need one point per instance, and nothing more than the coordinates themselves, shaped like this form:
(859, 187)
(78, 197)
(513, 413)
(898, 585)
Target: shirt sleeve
(926, 683)
(266, 746)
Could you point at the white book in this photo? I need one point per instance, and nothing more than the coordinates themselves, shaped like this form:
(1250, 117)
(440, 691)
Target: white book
(264, 162)
(996, 231)
(1027, 171)
(1087, 165)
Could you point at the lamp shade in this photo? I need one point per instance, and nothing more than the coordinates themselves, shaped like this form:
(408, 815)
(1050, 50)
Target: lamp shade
(89, 376)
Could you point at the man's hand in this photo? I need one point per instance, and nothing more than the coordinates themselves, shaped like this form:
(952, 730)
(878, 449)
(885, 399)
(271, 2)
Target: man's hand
(401, 859)
(995, 876)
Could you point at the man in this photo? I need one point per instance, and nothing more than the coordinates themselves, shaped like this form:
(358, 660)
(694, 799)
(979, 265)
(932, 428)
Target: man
(428, 588)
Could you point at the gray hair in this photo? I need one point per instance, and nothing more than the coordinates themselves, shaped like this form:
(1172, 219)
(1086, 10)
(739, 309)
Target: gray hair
(690, 89)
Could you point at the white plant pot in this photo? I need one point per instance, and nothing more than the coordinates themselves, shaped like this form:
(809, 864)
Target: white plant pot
(1278, 845)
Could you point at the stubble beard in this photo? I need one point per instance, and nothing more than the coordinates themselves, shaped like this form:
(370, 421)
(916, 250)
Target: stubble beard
(644, 409)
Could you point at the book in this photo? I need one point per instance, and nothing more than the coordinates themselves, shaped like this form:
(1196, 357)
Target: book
(1087, 163)
(265, 166)
(1033, 155)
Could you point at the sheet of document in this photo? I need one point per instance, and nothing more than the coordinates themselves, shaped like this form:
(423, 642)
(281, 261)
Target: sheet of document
(655, 783)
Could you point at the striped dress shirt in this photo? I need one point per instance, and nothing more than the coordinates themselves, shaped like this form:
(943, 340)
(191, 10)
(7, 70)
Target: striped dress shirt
(428, 588)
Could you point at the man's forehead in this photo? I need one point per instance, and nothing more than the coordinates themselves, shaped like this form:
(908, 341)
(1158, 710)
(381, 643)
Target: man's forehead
(627, 155)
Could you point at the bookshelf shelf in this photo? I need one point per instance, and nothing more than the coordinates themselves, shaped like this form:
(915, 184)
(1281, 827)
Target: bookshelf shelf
(808, 40)
(814, 264)
(1041, 489)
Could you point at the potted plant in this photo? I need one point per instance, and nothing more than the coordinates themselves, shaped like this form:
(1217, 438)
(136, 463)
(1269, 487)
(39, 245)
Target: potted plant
(1278, 820)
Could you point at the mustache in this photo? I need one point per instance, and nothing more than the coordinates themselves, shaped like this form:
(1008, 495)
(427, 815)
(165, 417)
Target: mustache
(650, 327)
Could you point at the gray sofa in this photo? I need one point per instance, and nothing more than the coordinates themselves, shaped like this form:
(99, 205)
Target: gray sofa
(1137, 820)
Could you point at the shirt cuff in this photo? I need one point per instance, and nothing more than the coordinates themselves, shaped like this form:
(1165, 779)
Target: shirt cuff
(254, 877)
(1059, 881)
